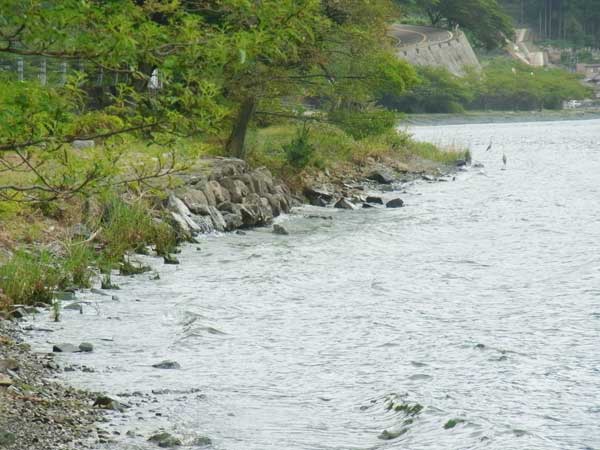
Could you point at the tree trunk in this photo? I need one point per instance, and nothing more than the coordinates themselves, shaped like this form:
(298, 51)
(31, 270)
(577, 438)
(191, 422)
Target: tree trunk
(236, 143)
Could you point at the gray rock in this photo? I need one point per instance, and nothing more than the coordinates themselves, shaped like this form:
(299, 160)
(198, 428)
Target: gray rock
(65, 348)
(201, 441)
(171, 260)
(374, 200)
(182, 215)
(5, 380)
(167, 364)
(367, 205)
(237, 189)
(220, 194)
(165, 440)
(194, 199)
(392, 433)
(233, 221)
(381, 176)
(280, 229)
(318, 197)
(104, 402)
(86, 347)
(395, 203)
(344, 203)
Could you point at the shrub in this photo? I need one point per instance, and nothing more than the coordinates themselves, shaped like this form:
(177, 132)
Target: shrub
(364, 123)
(30, 277)
(299, 151)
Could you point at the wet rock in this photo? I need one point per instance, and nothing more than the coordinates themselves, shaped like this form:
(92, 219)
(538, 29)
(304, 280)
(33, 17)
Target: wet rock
(233, 221)
(452, 423)
(5, 380)
(280, 229)
(7, 438)
(392, 433)
(344, 203)
(182, 216)
(374, 200)
(395, 203)
(170, 259)
(318, 197)
(86, 347)
(381, 176)
(367, 205)
(461, 163)
(65, 348)
(165, 440)
(478, 165)
(428, 178)
(17, 313)
(201, 441)
(167, 364)
(77, 306)
(104, 402)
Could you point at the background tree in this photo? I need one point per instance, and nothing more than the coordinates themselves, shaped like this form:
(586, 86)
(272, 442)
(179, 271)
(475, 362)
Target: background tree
(486, 20)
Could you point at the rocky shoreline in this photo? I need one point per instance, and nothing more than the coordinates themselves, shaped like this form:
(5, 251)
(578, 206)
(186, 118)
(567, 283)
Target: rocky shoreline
(220, 195)
(35, 412)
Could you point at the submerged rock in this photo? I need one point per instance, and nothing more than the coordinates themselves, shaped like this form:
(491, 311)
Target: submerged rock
(392, 433)
(170, 259)
(374, 200)
(201, 441)
(167, 364)
(395, 203)
(280, 229)
(86, 347)
(104, 402)
(65, 348)
(165, 440)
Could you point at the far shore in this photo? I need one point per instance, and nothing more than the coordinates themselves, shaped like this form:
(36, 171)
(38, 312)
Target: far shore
(477, 117)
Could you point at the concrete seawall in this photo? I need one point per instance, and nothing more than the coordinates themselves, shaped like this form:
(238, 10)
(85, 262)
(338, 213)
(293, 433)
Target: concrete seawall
(455, 54)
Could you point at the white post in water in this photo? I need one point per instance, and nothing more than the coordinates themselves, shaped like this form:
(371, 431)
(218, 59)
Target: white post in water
(63, 73)
(43, 73)
(20, 69)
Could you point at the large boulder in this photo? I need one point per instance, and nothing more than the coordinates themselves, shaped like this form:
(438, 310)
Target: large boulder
(262, 181)
(381, 176)
(395, 203)
(220, 193)
(344, 203)
(194, 199)
(177, 206)
(317, 196)
(237, 189)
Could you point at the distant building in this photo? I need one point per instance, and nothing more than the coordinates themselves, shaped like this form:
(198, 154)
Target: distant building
(589, 70)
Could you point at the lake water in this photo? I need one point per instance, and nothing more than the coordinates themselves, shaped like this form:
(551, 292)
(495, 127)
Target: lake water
(479, 301)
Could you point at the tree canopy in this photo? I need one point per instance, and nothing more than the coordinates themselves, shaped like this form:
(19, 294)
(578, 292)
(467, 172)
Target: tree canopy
(220, 62)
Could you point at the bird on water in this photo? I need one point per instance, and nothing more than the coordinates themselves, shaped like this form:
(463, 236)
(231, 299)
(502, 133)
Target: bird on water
(504, 160)
(489, 147)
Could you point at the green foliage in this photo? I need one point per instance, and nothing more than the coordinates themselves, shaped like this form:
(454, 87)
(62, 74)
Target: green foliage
(504, 84)
(509, 85)
(438, 91)
(299, 151)
(77, 264)
(31, 276)
(364, 123)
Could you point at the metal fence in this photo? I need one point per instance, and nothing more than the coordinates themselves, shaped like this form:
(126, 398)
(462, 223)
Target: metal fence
(52, 71)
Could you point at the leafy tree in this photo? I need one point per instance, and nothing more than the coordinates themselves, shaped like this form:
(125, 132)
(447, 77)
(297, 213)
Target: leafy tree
(221, 63)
